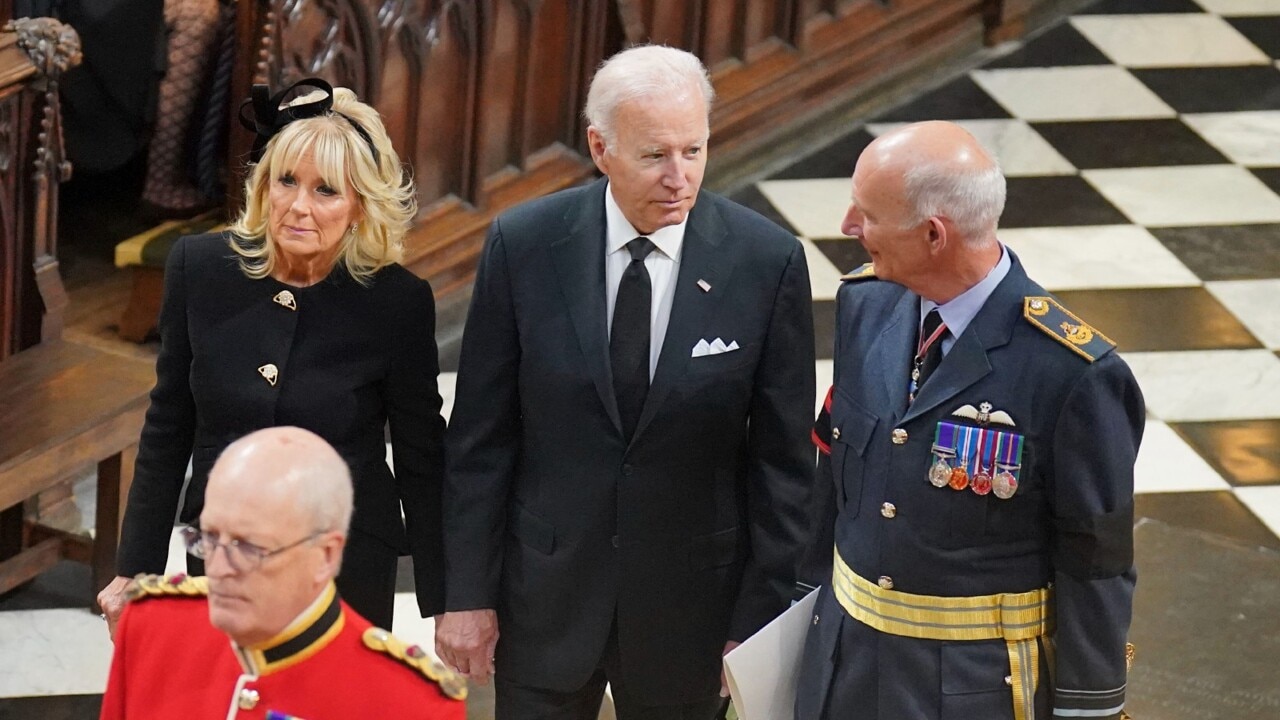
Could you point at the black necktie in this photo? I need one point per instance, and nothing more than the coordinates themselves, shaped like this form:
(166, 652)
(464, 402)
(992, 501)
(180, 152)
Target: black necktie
(629, 338)
(928, 350)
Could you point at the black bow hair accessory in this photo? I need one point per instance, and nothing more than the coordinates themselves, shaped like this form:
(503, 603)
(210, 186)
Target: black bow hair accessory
(269, 118)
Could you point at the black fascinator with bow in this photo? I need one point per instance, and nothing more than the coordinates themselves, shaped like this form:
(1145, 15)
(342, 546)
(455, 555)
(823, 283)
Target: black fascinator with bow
(266, 116)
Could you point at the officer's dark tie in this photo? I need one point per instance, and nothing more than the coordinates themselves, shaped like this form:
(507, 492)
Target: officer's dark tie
(928, 351)
(629, 338)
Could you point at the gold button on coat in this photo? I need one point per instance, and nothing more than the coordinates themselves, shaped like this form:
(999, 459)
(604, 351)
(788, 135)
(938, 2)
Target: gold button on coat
(248, 699)
(284, 298)
(1008, 680)
(888, 510)
(885, 582)
(899, 436)
(270, 373)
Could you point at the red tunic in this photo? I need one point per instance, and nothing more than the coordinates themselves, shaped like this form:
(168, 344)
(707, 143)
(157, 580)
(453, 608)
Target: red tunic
(170, 662)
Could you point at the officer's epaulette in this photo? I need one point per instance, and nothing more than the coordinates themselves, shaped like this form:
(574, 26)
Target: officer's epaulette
(180, 585)
(865, 271)
(1060, 324)
(451, 684)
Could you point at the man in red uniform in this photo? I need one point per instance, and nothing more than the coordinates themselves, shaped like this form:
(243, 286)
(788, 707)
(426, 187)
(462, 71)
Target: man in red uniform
(271, 534)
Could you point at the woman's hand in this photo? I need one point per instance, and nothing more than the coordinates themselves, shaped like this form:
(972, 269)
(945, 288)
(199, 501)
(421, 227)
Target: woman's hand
(112, 600)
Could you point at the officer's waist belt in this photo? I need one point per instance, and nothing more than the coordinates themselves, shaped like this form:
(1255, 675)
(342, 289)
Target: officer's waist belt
(1017, 618)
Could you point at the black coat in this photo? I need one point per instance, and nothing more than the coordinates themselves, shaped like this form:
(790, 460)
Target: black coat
(349, 359)
(689, 533)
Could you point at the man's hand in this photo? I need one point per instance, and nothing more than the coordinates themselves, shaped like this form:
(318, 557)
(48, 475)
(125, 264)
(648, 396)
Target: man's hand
(724, 684)
(466, 641)
(112, 600)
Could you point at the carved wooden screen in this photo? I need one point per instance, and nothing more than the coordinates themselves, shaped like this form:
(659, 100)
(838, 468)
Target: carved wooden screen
(33, 55)
(483, 97)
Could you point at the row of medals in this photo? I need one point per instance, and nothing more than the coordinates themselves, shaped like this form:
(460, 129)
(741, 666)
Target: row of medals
(1003, 485)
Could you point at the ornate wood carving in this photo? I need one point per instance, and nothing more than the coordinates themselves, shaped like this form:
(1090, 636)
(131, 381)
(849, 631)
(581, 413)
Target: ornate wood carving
(11, 271)
(483, 97)
(34, 298)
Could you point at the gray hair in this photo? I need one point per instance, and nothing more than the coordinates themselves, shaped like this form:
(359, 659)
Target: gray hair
(640, 72)
(299, 464)
(973, 198)
(328, 496)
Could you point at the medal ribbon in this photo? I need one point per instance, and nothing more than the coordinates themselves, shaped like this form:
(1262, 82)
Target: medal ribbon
(1011, 456)
(966, 454)
(924, 344)
(1000, 444)
(922, 347)
(944, 437)
(986, 451)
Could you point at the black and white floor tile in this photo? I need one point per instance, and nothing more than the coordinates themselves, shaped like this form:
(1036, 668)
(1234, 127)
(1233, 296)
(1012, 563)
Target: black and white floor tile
(1141, 139)
(1142, 143)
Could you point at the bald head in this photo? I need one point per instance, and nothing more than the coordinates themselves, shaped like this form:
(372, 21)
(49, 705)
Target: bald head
(294, 467)
(285, 493)
(943, 171)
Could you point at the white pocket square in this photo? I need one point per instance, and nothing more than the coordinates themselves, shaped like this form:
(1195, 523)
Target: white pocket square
(715, 347)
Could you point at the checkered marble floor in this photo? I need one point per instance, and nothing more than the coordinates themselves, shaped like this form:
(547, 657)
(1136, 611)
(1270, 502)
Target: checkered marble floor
(1142, 143)
(1141, 139)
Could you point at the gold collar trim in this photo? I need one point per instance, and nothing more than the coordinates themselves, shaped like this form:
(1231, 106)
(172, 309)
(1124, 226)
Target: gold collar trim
(314, 629)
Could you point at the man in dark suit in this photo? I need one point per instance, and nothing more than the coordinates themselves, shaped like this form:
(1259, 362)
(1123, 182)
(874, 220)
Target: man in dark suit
(628, 451)
(979, 445)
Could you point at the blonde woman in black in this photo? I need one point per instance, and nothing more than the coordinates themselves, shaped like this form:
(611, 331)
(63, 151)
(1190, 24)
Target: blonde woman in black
(300, 315)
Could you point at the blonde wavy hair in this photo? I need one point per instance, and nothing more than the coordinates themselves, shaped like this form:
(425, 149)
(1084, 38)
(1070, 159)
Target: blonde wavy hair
(384, 190)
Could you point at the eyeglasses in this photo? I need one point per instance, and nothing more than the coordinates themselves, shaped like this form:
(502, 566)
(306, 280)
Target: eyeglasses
(242, 556)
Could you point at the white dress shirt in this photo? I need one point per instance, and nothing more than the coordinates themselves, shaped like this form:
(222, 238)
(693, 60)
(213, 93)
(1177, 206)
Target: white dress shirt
(663, 265)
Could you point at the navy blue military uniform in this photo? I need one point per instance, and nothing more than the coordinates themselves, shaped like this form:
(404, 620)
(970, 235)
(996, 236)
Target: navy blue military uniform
(947, 602)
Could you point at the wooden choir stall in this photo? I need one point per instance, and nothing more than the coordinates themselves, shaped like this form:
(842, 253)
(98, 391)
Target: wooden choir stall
(484, 97)
(63, 407)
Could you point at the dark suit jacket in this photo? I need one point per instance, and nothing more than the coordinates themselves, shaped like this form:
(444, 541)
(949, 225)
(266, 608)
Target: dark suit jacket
(688, 534)
(1069, 525)
(350, 358)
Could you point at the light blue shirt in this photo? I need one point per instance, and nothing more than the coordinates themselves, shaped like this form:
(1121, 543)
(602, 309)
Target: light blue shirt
(963, 308)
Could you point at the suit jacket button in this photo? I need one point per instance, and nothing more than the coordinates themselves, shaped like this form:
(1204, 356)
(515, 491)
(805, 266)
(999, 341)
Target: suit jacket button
(885, 582)
(835, 433)
(888, 510)
(1008, 680)
(899, 436)
(614, 540)
(627, 470)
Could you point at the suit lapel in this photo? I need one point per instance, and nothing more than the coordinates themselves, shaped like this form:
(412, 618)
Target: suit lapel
(704, 257)
(579, 262)
(889, 356)
(967, 362)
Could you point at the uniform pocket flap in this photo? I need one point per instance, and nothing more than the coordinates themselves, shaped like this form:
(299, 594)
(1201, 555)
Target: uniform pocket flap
(974, 667)
(533, 531)
(714, 550)
(850, 424)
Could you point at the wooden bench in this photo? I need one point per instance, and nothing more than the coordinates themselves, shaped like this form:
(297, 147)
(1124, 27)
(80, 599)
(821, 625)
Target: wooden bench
(144, 255)
(64, 407)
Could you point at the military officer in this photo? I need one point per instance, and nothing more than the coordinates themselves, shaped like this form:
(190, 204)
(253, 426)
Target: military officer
(271, 533)
(975, 529)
